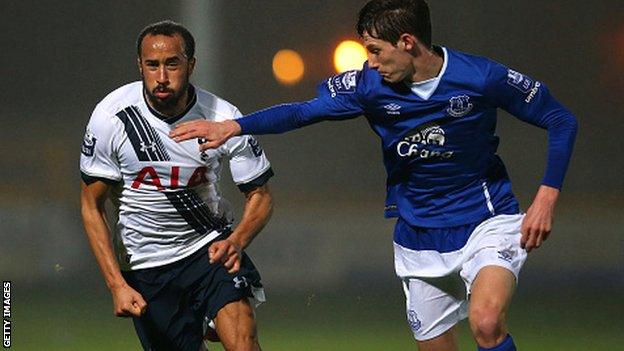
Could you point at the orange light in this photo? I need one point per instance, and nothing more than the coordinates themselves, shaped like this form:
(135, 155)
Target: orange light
(288, 67)
(349, 55)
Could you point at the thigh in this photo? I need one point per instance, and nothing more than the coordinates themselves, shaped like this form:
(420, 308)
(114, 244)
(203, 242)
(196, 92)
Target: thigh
(434, 306)
(236, 326)
(492, 291)
(496, 242)
(446, 341)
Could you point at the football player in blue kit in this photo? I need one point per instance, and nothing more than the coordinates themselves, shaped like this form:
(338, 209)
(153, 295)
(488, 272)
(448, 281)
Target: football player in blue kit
(434, 108)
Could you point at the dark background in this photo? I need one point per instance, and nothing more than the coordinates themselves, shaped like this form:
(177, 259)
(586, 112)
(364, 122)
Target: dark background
(327, 234)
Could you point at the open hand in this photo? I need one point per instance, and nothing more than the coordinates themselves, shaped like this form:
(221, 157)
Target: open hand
(538, 221)
(214, 133)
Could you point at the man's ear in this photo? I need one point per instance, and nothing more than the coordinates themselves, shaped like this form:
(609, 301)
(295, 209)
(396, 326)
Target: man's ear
(140, 67)
(407, 41)
(191, 65)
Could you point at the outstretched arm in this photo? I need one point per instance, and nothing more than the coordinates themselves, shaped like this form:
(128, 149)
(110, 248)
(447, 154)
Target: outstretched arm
(126, 301)
(273, 120)
(258, 209)
(334, 102)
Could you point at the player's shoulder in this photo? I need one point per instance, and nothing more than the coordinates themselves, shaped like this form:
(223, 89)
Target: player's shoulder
(466, 61)
(474, 69)
(353, 82)
(104, 113)
(215, 107)
(120, 98)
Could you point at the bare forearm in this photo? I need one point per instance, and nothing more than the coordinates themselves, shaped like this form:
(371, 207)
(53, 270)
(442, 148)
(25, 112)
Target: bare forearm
(258, 210)
(98, 234)
(99, 240)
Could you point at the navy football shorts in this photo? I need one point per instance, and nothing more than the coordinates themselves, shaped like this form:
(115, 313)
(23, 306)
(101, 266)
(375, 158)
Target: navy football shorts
(181, 295)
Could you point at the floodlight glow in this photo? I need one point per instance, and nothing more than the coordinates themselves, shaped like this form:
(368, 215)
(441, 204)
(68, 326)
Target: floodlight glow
(288, 67)
(349, 55)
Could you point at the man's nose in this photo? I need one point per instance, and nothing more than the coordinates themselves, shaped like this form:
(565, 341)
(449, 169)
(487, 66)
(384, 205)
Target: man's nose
(163, 77)
(372, 63)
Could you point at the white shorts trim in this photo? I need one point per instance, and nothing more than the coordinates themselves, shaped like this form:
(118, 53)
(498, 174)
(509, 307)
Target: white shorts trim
(437, 285)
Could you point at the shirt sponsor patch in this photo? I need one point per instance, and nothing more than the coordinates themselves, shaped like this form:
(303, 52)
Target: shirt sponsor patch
(88, 144)
(519, 81)
(255, 146)
(344, 83)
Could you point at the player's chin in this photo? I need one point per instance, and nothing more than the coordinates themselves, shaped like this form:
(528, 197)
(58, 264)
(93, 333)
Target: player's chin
(390, 79)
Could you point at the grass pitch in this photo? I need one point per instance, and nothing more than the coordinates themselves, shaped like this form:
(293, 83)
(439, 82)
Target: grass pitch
(318, 321)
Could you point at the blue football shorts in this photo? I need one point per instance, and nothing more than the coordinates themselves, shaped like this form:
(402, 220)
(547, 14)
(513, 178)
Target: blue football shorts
(182, 296)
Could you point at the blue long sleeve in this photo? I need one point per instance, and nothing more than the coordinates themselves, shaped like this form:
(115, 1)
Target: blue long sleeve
(531, 102)
(337, 99)
(279, 119)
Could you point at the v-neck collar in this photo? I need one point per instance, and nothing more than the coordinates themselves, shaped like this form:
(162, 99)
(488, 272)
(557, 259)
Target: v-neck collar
(424, 89)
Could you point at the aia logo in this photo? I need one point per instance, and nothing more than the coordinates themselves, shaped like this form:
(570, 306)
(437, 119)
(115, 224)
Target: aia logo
(149, 176)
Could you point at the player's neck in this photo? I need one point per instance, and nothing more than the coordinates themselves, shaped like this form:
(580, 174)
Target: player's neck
(427, 66)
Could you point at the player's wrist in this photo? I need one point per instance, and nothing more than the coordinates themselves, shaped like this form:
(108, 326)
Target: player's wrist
(117, 285)
(233, 127)
(238, 243)
(547, 193)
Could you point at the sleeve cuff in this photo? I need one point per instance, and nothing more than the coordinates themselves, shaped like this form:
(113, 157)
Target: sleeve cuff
(258, 182)
(90, 179)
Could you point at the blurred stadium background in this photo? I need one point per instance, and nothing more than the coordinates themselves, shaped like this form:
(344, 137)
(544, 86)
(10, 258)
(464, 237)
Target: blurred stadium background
(326, 255)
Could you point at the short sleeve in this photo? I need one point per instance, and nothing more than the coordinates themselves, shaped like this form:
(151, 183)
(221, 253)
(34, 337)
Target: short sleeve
(248, 163)
(98, 154)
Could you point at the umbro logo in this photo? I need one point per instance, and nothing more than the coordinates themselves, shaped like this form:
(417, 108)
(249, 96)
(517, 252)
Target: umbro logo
(393, 109)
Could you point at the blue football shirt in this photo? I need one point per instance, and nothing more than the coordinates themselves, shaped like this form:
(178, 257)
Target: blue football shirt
(438, 137)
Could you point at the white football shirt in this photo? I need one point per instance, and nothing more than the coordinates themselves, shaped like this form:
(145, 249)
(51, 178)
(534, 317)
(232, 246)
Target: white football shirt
(166, 193)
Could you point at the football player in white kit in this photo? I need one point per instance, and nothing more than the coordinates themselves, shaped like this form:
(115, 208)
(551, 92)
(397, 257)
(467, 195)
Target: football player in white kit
(175, 264)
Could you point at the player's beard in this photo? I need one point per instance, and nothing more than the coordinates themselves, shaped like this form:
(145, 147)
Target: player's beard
(168, 105)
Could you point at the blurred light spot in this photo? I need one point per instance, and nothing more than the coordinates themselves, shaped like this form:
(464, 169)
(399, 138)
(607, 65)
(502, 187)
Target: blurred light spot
(288, 67)
(349, 55)
(58, 268)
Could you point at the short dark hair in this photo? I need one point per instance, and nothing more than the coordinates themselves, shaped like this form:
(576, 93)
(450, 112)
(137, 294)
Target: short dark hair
(388, 19)
(169, 28)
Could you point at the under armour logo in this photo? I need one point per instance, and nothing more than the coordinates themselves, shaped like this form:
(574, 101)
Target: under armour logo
(145, 147)
(240, 282)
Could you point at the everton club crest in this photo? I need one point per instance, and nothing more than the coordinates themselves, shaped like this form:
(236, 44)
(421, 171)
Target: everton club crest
(459, 106)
